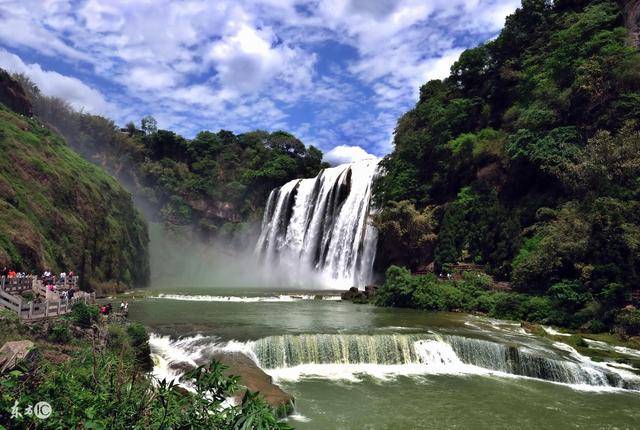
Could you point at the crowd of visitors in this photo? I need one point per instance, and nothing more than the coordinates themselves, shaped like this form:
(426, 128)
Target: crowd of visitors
(10, 273)
(50, 278)
(47, 276)
(63, 284)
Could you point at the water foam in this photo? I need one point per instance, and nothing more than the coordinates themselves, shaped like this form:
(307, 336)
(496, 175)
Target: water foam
(553, 332)
(247, 299)
(349, 356)
(597, 344)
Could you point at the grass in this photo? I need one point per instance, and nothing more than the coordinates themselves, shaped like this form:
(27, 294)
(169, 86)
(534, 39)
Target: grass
(58, 210)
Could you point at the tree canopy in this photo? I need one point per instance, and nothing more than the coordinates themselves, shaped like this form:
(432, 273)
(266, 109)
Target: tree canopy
(527, 155)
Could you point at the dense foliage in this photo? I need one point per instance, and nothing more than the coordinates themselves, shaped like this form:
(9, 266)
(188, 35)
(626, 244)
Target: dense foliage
(528, 156)
(58, 211)
(105, 386)
(215, 182)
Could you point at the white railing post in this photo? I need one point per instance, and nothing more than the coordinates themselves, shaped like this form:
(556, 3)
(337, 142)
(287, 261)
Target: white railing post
(30, 309)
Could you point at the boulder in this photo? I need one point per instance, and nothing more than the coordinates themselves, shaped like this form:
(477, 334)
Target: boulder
(350, 294)
(15, 352)
(181, 367)
(370, 290)
(255, 379)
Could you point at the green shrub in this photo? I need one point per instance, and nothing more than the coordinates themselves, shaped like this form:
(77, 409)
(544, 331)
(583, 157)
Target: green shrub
(430, 296)
(508, 305)
(117, 338)
(59, 332)
(104, 390)
(486, 303)
(398, 288)
(536, 308)
(140, 344)
(84, 315)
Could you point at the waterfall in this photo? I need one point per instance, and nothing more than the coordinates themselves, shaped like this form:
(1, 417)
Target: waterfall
(388, 354)
(437, 354)
(320, 228)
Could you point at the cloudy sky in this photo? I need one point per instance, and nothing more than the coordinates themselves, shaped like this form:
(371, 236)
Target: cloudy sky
(336, 73)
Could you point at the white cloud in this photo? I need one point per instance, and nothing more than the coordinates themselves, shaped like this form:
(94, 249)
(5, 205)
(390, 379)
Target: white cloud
(73, 90)
(342, 154)
(246, 64)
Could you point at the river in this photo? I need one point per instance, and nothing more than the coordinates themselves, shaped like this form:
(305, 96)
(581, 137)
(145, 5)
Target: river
(362, 367)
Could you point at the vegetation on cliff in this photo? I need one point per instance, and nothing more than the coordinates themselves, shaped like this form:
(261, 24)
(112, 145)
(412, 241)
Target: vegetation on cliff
(526, 160)
(215, 183)
(59, 212)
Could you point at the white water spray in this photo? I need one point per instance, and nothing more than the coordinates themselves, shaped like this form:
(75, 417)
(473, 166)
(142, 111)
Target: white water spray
(319, 230)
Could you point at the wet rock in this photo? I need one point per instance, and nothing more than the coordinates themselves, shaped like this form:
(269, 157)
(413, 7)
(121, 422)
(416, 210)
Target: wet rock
(370, 290)
(181, 366)
(350, 294)
(255, 379)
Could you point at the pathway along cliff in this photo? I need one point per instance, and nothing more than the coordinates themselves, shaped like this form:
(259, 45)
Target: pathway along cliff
(357, 366)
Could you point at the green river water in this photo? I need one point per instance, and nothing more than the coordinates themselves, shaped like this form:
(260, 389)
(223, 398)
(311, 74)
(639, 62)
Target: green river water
(363, 388)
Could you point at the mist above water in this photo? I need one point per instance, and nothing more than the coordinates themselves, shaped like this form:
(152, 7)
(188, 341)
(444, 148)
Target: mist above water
(179, 260)
(316, 234)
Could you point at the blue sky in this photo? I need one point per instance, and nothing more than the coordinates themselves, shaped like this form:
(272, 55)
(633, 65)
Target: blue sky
(336, 73)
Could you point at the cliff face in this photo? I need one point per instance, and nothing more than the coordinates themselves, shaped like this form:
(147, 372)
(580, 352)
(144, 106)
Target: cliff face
(632, 19)
(13, 96)
(58, 211)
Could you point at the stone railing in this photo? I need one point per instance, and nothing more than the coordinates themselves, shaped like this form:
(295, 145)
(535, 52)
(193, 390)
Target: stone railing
(47, 304)
(17, 285)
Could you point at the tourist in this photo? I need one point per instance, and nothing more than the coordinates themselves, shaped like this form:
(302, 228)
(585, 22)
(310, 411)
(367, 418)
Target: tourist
(108, 308)
(122, 307)
(63, 275)
(126, 307)
(4, 272)
(103, 310)
(71, 293)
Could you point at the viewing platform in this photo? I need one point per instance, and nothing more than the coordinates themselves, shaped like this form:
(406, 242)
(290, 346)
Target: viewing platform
(46, 303)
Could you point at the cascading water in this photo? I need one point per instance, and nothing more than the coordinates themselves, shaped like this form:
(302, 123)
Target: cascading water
(410, 353)
(319, 229)
(441, 354)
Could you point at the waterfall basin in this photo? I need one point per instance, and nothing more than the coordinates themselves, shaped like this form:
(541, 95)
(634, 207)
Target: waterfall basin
(358, 366)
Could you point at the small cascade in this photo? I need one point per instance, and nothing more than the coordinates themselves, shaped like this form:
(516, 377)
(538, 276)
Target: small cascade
(320, 228)
(512, 360)
(289, 351)
(447, 354)
(397, 353)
